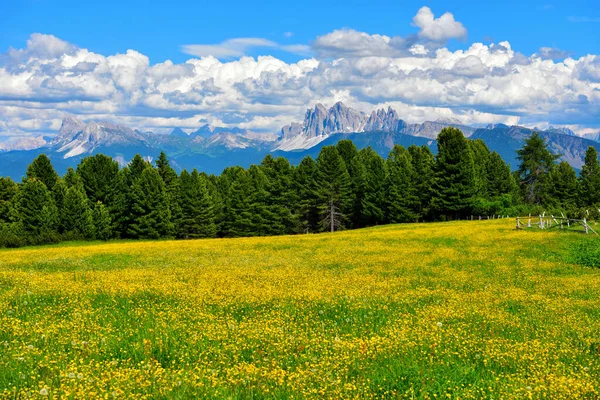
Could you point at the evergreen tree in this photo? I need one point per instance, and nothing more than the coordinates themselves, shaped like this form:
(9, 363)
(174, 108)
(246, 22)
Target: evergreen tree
(8, 190)
(481, 159)
(333, 188)
(500, 181)
(265, 214)
(590, 180)
(422, 161)
(402, 202)
(102, 222)
(281, 201)
(151, 215)
(76, 216)
(347, 150)
(71, 178)
(368, 178)
(34, 208)
(536, 162)
(564, 188)
(99, 174)
(454, 183)
(237, 215)
(42, 169)
(137, 166)
(59, 193)
(305, 188)
(172, 185)
(197, 218)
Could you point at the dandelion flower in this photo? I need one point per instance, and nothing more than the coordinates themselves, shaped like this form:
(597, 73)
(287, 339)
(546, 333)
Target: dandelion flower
(439, 324)
(44, 392)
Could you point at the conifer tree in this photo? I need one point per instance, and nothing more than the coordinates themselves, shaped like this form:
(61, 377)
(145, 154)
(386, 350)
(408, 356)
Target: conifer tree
(454, 183)
(347, 150)
(238, 218)
(151, 215)
(536, 162)
(99, 174)
(402, 202)
(76, 215)
(42, 169)
(333, 188)
(590, 180)
(34, 208)
(172, 185)
(422, 161)
(102, 222)
(281, 201)
(71, 178)
(563, 187)
(500, 180)
(481, 159)
(368, 177)
(59, 192)
(8, 190)
(305, 188)
(265, 214)
(197, 218)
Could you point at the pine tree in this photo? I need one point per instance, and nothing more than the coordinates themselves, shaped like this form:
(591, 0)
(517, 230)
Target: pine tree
(71, 178)
(500, 180)
(42, 169)
(454, 183)
(59, 193)
(238, 218)
(590, 180)
(151, 216)
(305, 188)
(99, 174)
(76, 216)
(333, 188)
(368, 177)
(563, 187)
(422, 161)
(197, 218)
(172, 185)
(347, 150)
(102, 222)
(481, 159)
(281, 201)
(8, 190)
(536, 162)
(34, 208)
(402, 202)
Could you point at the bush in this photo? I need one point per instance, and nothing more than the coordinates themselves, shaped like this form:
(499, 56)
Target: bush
(10, 236)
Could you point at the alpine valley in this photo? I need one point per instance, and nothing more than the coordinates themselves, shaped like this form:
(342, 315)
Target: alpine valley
(211, 149)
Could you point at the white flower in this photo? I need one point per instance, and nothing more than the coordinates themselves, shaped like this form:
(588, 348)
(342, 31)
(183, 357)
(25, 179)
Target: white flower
(44, 392)
(30, 347)
(80, 376)
(439, 324)
(71, 375)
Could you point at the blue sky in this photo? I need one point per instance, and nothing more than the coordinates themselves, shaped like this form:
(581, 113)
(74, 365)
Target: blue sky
(260, 65)
(158, 30)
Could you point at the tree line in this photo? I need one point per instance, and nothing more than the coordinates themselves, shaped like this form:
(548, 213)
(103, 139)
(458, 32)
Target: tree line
(344, 188)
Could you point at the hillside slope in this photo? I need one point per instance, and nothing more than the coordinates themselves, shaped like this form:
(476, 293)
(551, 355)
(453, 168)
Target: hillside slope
(380, 312)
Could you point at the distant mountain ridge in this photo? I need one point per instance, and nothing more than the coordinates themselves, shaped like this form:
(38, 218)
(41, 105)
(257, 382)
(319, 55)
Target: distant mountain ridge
(320, 122)
(211, 148)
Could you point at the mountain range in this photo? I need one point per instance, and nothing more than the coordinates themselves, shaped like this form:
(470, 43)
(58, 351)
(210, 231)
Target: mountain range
(211, 148)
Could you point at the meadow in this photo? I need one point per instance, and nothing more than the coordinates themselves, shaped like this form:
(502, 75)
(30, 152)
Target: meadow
(429, 311)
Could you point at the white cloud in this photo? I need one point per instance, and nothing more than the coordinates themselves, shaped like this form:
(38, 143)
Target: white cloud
(477, 84)
(238, 47)
(438, 29)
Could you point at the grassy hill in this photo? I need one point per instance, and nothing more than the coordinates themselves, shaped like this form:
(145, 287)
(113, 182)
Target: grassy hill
(460, 310)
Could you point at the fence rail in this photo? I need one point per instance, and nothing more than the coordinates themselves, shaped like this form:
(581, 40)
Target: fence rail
(552, 222)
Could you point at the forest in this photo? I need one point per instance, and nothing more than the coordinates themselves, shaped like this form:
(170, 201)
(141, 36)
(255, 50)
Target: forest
(344, 188)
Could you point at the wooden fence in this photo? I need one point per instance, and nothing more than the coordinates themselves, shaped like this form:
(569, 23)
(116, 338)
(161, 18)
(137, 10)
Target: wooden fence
(552, 222)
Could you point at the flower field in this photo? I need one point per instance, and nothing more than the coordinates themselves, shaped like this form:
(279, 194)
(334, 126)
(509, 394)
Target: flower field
(454, 310)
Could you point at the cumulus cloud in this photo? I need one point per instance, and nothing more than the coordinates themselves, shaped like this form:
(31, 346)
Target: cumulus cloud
(481, 83)
(553, 53)
(438, 29)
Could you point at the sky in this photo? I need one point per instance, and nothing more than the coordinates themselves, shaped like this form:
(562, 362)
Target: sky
(260, 65)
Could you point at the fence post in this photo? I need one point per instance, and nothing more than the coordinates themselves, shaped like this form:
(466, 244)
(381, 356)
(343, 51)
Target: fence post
(541, 223)
(586, 226)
